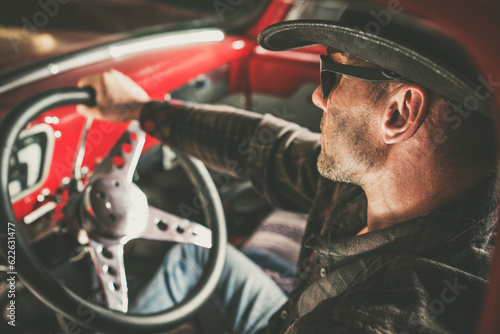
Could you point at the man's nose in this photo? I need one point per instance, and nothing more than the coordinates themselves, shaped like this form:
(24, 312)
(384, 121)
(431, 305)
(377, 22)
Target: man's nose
(318, 99)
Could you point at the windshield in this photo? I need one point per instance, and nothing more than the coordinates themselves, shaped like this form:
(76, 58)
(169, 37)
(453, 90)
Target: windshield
(33, 30)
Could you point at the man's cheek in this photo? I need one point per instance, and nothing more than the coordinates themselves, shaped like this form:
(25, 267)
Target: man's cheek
(322, 124)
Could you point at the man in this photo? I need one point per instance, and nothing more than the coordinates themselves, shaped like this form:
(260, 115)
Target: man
(400, 213)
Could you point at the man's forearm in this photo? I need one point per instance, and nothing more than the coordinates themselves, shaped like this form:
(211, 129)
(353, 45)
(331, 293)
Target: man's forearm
(236, 141)
(215, 134)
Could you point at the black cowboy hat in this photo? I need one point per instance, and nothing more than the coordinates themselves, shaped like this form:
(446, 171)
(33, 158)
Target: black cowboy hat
(387, 38)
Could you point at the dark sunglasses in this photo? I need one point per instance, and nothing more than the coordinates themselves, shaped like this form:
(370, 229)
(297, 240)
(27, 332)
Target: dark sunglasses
(329, 70)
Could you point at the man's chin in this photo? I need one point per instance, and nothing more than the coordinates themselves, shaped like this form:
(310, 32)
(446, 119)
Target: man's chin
(326, 167)
(332, 171)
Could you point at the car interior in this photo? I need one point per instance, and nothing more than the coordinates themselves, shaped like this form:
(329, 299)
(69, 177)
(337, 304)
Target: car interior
(232, 70)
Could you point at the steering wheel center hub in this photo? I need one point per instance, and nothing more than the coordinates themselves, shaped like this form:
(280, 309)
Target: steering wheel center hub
(114, 208)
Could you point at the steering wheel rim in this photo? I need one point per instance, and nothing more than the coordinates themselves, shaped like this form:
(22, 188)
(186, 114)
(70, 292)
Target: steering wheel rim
(59, 298)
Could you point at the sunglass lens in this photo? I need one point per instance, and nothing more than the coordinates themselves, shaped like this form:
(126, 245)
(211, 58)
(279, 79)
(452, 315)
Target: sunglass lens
(326, 83)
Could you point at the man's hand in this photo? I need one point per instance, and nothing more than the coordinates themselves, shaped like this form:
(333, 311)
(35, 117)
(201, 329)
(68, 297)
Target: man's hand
(118, 98)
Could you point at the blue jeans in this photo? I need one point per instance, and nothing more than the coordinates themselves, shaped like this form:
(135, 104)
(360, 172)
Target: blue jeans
(244, 300)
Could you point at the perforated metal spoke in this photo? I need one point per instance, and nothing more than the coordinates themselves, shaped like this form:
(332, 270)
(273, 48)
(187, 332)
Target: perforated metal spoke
(169, 227)
(122, 160)
(109, 264)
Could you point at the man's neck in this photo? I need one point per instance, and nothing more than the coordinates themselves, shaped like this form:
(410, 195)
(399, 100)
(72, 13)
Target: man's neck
(400, 194)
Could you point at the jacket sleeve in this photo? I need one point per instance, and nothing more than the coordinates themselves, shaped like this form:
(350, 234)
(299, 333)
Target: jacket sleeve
(279, 157)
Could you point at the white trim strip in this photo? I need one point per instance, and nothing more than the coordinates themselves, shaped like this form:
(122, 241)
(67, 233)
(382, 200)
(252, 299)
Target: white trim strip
(114, 51)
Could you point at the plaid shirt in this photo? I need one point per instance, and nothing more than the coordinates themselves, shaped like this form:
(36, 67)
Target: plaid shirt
(424, 275)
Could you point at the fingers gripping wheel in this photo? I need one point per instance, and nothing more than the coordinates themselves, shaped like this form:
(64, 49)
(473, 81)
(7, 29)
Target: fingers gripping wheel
(114, 211)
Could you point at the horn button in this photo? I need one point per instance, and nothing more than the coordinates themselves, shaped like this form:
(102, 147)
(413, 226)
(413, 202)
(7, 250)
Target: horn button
(114, 208)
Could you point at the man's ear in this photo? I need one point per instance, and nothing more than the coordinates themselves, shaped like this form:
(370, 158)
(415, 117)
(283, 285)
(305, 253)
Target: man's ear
(405, 113)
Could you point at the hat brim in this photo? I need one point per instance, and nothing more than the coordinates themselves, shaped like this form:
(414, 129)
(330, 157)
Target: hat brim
(424, 68)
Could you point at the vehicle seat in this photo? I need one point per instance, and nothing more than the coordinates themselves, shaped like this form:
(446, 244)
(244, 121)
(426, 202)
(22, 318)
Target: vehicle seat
(275, 246)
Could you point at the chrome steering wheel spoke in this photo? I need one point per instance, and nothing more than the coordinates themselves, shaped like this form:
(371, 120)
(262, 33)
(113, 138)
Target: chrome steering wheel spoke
(122, 160)
(107, 256)
(165, 226)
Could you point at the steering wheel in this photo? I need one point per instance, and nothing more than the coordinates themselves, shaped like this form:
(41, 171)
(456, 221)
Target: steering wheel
(113, 210)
